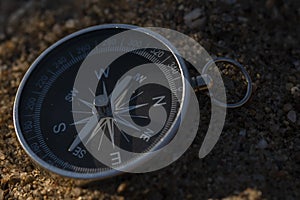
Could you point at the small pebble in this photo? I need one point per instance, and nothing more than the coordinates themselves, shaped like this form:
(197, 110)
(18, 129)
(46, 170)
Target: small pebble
(243, 19)
(297, 64)
(70, 24)
(181, 7)
(262, 144)
(227, 18)
(2, 156)
(121, 187)
(194, 14)
(292, 116)
(267, 109)
(14, 178)
(259, 116)
(195, 19)
(1, 194)
(76, 191)
(296, 90)
(57, 29)
(287, 107)
(243, 132)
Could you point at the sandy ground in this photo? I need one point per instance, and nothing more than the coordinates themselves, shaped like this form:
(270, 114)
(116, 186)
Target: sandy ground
(258, 154)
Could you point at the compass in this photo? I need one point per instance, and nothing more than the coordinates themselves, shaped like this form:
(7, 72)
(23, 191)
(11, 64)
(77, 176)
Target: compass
(100, 92)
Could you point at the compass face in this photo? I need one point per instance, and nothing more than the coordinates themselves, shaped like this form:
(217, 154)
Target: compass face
(80, 129)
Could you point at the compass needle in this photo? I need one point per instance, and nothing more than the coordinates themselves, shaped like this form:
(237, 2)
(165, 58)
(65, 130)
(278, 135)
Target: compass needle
(122, 132)
(102, 135)
(84, 132)
(81, 112)
(126, 138)
(132, 98)
(119, 100)
(82, 121)
(124, 83)
(135, 116)
(104, 90)
(102, 100)
(93, 93)
(123, 110)
(99, 127)
(90, 105)
(121, 120)
(110, 127)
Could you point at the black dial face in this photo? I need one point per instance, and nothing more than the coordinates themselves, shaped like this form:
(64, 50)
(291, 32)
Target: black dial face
(58, 123)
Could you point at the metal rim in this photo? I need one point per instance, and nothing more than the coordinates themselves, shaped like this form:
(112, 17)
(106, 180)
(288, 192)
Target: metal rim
(245, 73)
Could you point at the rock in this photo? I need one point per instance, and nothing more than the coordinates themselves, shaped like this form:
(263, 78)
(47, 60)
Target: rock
(14, 178)
(181, 7)
(26, 178)
(76, 192)
(227, 18)
(2, 156)
(297, 64)
(292, 116)
(262, 144)
(243, 132)
(248, 194)
(194, 14)
(259, 116)
(287, 107)
(57, 30)
(1, 194)
(121, 187)
(70, 24)
(268, 109)
(295, 90)
(195, 19)
(243, 19)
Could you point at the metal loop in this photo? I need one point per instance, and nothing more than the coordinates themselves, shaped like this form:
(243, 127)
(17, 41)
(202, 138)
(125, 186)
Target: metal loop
(245, 73)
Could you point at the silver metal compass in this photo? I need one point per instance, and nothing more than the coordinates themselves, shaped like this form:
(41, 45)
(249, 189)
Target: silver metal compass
(129, 87)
